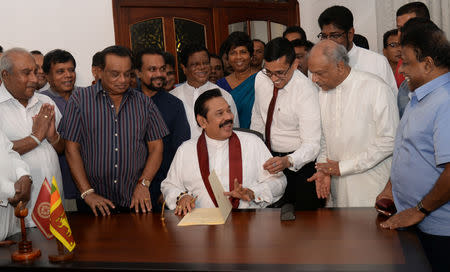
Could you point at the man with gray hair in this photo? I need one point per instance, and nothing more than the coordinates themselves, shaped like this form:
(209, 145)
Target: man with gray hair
(359, 119)
(29, 120)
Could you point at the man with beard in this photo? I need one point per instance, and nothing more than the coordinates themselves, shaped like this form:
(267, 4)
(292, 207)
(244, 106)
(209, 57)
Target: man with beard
(236, 157)
(151, 70)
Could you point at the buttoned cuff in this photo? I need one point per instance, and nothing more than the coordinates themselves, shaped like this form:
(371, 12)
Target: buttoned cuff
(346, 167)
(171, 199)
(263, 196)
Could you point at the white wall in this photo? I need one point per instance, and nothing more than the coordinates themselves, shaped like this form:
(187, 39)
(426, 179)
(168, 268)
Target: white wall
(81, 27)
(364, 16)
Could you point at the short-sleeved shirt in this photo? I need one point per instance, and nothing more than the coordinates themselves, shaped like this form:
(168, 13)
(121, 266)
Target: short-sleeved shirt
(421, 151)
(113, 146)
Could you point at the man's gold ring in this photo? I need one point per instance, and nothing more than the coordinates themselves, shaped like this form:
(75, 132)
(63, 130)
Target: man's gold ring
(46, 116)
(329, 169)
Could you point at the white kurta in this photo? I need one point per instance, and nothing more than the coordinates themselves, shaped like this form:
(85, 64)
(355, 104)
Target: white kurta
(12, 168)
(184, 173)
(372, 62)
(189, 94)
(359, 121)
(16, 122)
(296, 118)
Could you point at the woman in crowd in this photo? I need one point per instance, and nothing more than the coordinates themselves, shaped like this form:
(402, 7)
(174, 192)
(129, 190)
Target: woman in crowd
(241, 82)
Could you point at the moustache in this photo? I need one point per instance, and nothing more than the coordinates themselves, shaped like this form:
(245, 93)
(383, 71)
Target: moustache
(227, 122)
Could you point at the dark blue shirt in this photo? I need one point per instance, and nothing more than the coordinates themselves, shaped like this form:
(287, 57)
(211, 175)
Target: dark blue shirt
(174, 115)
(113, 146)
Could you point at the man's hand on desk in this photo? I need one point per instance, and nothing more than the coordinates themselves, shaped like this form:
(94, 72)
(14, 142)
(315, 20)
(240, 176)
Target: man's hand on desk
(185, 204)
(404, 219)
(240, 192)
(23, 190)
(329, 168)
(96, 201)
(141, 198)
(323, 183)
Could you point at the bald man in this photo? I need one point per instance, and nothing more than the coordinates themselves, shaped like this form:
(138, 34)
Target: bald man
(359, 119)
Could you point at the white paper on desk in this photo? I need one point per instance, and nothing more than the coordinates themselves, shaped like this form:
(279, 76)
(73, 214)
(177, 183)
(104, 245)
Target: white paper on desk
(210, 216)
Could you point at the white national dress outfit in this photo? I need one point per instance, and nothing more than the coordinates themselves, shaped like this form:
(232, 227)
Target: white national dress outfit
(359, 122)
(12, 168)
(189, 95)
(16, 122)
(184, 173)
(372, 62)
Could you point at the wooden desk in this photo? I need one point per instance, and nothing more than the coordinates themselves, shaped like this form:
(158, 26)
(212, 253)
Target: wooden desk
(324, 240)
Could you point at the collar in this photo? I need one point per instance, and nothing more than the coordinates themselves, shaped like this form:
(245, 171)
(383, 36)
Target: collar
(192, 87)
(215, 143)
(431, 86)
(347, 81)
(5, 95)
(353, 51)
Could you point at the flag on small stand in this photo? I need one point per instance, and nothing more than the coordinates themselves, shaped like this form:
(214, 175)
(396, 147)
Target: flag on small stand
(59, 225)
(41, 211)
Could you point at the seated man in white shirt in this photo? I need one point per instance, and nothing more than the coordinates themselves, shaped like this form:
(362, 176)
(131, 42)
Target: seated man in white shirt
(29, 120)
(359, 120)
(336, 24)
(15, 186)
(236, 157)
(196, 66)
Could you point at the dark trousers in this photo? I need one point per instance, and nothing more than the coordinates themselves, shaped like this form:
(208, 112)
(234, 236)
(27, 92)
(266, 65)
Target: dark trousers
(437, 249)
(299, 192)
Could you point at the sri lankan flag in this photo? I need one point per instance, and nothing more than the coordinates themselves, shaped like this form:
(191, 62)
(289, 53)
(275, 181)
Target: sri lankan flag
(41, 211)
(59, 225)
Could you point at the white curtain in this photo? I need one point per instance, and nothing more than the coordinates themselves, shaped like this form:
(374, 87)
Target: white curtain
(386, 10)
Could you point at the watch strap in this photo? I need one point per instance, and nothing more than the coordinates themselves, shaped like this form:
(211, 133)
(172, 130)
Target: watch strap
(421, 209)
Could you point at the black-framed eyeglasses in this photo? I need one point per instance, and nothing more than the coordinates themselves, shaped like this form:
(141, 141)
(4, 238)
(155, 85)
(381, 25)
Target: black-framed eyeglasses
(278, 74)
(333, 36)
(394, 44)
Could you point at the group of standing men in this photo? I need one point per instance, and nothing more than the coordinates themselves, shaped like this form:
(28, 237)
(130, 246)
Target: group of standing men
(123, 146)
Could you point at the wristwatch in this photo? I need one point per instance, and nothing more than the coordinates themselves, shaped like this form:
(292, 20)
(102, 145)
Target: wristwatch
(421, 209)
(145, 182)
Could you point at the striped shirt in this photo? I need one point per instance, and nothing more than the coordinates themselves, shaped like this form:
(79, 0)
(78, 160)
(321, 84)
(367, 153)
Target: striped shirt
(113, 146)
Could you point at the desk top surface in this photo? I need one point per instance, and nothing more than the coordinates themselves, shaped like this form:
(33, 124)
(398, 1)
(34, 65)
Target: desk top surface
(323, 240)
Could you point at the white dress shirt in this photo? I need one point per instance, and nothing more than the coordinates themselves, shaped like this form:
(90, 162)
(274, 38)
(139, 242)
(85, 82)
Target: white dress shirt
(296, 117)
(372, 62)
(184, 173)
(359, 121)
(16, 122)
(189, 95)
(12, 168)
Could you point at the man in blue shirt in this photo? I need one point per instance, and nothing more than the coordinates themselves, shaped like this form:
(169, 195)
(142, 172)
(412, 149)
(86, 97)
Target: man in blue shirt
(420, 173)
(152, 72)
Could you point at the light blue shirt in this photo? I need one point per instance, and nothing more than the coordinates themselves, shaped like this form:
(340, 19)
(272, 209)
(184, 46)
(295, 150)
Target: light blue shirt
(422, 148)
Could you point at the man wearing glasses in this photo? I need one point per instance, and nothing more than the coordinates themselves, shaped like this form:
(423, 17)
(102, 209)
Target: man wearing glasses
(336, 23)
(286, 111)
